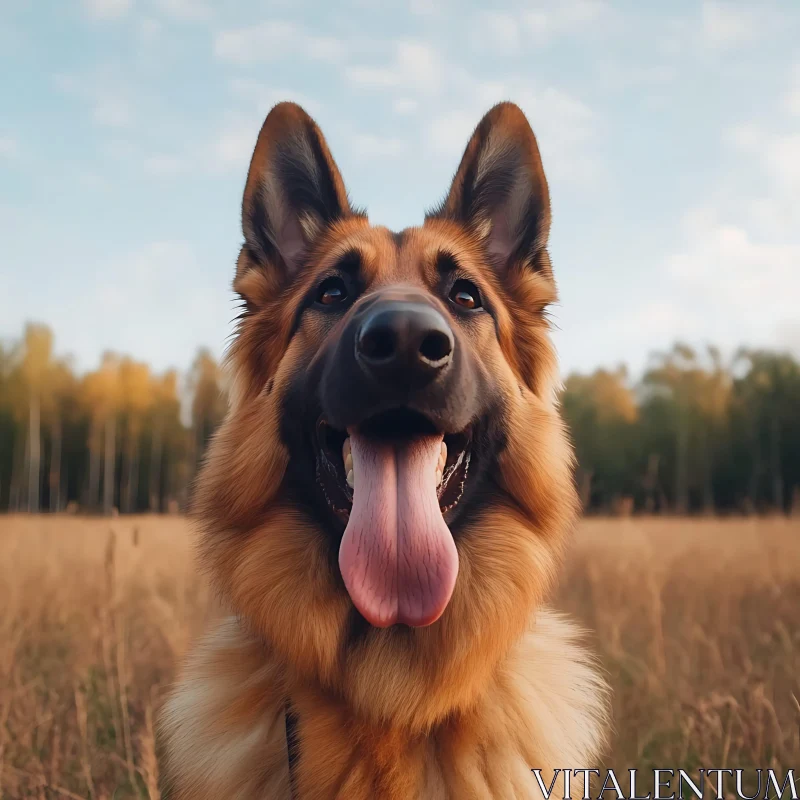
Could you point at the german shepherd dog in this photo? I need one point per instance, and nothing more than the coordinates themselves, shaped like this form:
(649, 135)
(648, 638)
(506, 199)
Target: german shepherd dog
(385, 506)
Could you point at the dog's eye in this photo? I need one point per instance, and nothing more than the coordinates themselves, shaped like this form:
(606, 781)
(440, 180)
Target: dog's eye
(465, 294)
(332, 291)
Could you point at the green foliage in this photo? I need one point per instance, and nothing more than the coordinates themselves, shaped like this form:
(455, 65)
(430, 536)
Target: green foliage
(693, 435)
(112, 438)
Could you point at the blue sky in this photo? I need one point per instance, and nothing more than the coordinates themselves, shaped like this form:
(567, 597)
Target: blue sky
(670, 134)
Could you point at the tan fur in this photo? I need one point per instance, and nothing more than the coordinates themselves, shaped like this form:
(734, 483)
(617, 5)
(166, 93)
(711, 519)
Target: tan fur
(544, 707)
(463, 708)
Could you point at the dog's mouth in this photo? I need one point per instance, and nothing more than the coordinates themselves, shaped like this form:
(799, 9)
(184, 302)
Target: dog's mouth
(334, 458)
(391, 480)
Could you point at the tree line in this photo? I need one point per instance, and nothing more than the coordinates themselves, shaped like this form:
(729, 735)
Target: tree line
(695, 434)
(120, 438)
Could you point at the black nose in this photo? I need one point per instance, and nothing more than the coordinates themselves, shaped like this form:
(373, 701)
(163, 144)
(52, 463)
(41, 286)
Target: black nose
(402, 341)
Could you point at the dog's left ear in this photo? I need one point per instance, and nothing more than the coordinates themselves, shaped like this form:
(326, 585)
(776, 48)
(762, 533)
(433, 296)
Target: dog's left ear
(500, 191)
(293, 191)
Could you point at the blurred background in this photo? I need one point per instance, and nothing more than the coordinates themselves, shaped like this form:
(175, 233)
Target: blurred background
(670, 135)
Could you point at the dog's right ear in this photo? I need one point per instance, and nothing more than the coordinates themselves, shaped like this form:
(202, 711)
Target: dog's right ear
(293, 191)
(500, 191)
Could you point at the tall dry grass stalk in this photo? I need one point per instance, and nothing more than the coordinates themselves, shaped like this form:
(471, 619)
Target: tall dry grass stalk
(697, 624)
(93, 618)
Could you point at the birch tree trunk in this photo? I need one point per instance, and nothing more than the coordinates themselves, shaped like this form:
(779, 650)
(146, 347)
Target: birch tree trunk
(110, 466)
(682, 466)
(155, 470)
(755, 476)
(775, 464)
(708, 475)
(94, 467)
(132, 484)
(18, 464)
(55, 466)
(35, 454)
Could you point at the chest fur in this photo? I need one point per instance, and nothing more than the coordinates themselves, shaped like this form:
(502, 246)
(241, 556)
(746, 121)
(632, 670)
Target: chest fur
(224, 734)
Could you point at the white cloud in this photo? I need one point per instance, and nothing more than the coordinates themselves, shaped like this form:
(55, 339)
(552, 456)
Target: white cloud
(789, 336)
(735, 277)
(273, 40)
(418, 77)
(783, 161)
(149, 30)
(549, 19)
(108, 101)
(719, 27)
(9, 148)
(753, 215)
(107, 9)
(448, 132)
(120, 148)
(136, 297)
(186, 10)
(722, 285)
(728, 25)
(91, 180)
(404, 106)
(158, 301)
(777, 153)
(618, 76)
(414, 66)
(660, 320)
(563, 124)
(425, 8)
(497, 31)
(112, 112)
(369, 146)
(510, 32)
(791, 101)
(744, 136)
(234, 146)
(738, 265)
(163, 165)
(261, 97)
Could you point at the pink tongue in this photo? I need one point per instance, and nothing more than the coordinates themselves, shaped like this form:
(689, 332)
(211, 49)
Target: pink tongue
(398, 559)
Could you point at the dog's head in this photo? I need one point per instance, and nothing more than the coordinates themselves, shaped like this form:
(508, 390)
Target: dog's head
(392, 456)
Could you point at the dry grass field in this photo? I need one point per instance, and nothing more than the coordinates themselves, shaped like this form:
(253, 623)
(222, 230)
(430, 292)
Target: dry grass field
(697, 623)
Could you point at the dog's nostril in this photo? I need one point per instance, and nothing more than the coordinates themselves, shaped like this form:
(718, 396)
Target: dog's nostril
(436, 346)
(377, 344)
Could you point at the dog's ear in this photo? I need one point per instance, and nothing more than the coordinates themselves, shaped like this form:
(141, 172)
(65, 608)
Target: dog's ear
(293, 191)
(500, 192)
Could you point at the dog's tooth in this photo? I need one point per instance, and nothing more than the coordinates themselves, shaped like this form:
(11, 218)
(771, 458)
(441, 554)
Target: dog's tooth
(438, 477)
(346, 449)
(348, 462)
(350, 479)
(443, 455)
